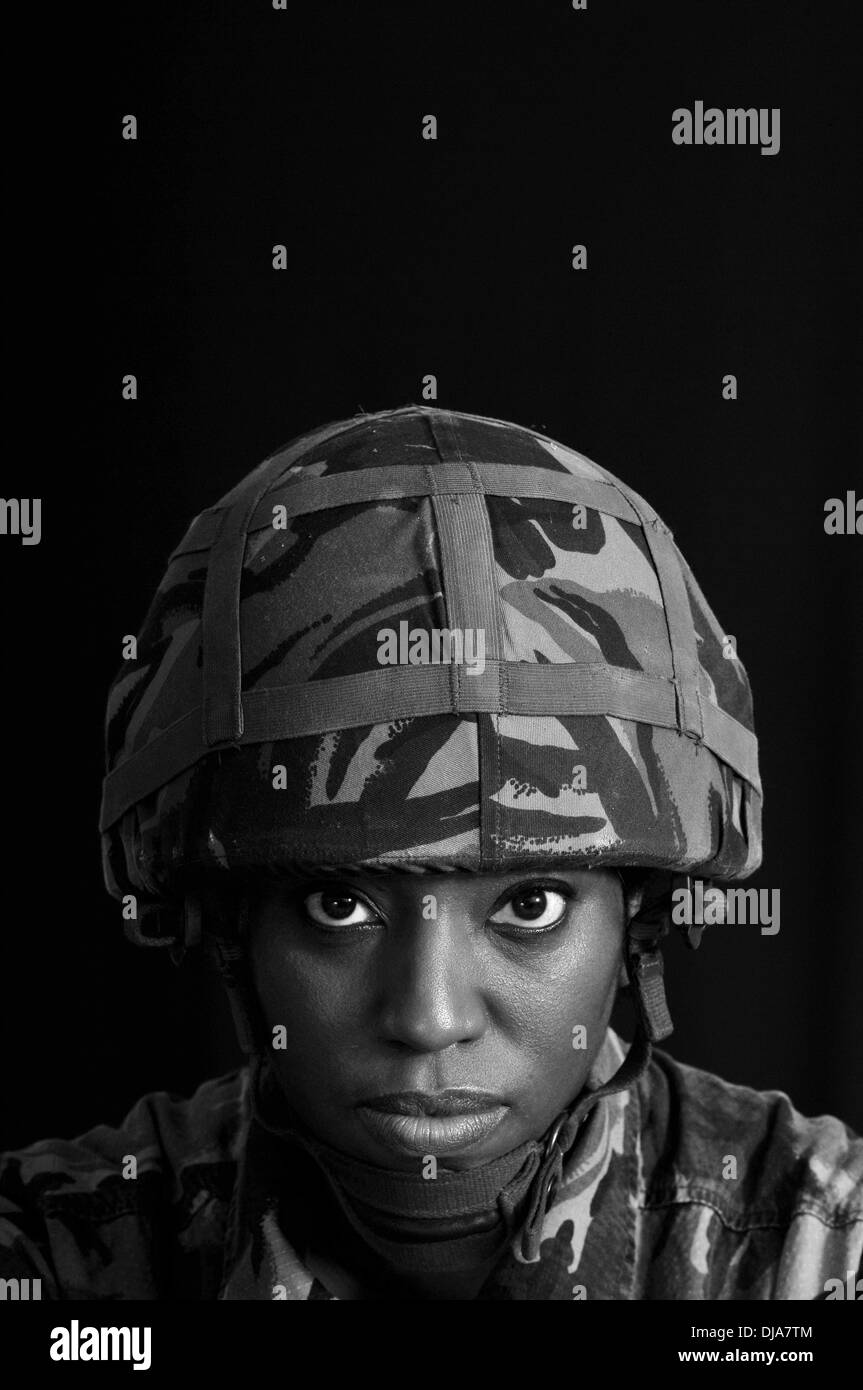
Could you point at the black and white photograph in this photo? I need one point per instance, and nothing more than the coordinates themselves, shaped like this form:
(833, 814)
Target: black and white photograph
(433, 702)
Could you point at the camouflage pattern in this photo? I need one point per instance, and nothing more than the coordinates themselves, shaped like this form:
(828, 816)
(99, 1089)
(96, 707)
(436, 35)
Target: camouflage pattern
(485, 790)
(647, 1208)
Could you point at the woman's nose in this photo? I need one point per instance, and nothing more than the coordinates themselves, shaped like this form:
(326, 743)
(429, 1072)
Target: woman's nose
(432, 995)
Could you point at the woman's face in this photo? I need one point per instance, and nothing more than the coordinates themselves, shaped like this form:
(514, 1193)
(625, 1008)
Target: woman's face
(393, 989)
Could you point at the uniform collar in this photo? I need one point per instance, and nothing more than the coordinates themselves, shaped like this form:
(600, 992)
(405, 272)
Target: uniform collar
(565, 1172)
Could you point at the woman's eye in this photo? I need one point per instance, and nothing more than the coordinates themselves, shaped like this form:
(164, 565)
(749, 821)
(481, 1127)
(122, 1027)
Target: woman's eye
(532, 907)
(338, 909)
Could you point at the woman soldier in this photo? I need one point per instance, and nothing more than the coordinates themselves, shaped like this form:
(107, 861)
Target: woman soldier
(425, 879)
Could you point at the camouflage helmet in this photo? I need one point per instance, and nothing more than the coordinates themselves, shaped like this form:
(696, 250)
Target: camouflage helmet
(288, 706)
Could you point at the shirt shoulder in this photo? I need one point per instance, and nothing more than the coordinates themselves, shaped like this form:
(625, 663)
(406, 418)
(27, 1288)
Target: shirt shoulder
(751, 1153)
(740, 1195)
(88, 1215)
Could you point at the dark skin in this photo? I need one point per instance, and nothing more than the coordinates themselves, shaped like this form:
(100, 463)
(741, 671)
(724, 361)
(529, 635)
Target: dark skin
(379, 996)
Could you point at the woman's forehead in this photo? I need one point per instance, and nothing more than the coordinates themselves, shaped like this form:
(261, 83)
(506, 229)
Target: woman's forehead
(437, 881)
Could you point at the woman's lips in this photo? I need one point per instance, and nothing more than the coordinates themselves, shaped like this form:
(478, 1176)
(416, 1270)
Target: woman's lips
(414, 1123)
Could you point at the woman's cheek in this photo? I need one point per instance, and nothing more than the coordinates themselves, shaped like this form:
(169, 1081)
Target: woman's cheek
(566, 1029)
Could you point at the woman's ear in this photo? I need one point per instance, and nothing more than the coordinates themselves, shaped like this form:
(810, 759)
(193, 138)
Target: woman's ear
(632, 900)
(633, 895)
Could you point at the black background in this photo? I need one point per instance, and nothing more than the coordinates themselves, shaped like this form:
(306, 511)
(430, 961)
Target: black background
(453, 257)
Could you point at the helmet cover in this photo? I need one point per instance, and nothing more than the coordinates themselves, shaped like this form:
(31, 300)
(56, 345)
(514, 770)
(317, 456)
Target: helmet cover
(291, 707)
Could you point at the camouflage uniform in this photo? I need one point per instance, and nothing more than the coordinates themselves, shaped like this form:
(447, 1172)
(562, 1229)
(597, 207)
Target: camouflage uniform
(648, 1208)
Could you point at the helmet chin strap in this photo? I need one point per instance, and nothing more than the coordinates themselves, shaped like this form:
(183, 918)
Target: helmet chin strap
(644, 969)
(227, 921)
(643, 959)
(561, 1137)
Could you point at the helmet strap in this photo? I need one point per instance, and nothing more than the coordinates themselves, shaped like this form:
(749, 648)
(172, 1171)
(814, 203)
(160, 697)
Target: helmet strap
(234, 970)
(225, 916)
(644, 969)
(644, 965)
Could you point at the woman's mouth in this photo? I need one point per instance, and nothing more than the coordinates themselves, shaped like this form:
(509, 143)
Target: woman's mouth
(441, 1122)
